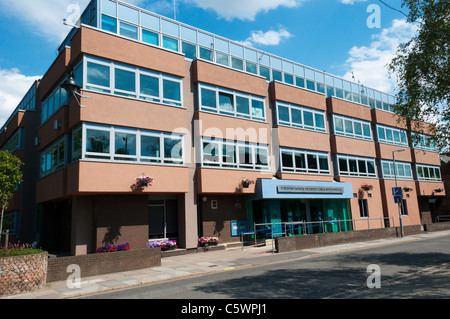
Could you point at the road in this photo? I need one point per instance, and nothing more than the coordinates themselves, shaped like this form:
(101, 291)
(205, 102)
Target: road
(413, 269)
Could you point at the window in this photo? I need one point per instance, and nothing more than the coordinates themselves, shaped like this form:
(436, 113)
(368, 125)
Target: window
(404, 208)
(403, 170)
(233, 103)
(351, 127)
(119, 79)
(356, 166)
(232, 154)
(128, 30)
(363, 208)
(111, 143)
(150, 37)
(304, 161)
(170, 43)
(109, 24)
(428, 173)
(53, 157)
(189, 50)
(424, 142)
(391, 135)
(301, 117)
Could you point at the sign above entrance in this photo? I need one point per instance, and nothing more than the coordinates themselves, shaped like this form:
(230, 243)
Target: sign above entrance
(310, 189)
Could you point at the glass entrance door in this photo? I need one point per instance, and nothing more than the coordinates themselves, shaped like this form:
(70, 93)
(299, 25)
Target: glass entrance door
(162, 219)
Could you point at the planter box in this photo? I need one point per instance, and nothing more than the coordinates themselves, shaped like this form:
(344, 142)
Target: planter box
(20, 274)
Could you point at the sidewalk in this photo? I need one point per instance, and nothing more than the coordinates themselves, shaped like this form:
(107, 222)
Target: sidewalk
(176, 267)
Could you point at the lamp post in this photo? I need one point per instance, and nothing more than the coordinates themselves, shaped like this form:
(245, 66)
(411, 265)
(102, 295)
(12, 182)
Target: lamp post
(395, 176)
(71, 86)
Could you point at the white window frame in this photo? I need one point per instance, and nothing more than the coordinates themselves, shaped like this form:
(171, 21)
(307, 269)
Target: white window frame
(358, 173)
(353, 134)
(393, 129)
(305, 170)
(237, 145)
(392, 172)
(302, 109)
(429, 168)
(111, 156)
(111, 89)
(234, 94)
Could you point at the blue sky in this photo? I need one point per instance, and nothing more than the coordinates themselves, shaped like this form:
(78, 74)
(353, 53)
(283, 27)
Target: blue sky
(329, 35)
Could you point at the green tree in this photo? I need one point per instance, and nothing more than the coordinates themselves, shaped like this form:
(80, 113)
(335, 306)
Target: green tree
(10, 177)
(422, 69)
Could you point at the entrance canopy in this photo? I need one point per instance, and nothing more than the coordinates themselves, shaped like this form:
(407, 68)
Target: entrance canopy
(287, 189)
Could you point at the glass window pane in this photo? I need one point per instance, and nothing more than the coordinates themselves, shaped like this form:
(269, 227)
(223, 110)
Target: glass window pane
(352, 165)
(173, 148)
(300, 161)
(312, 161)
(242, 105)
(226, 102)
(381, 135)
(366, 130)
(286, 159)
(320, 120)
(358, 128)
(128, 31)
(228, 154)
(362, 166)
(150, 37)
(338, 125)
(245, 156)
(323, 163)
(149, 85)
(283, 113)
(276, 75)
(97, 141)
(371, 167)
(308, 118)
(348, 126)
(262, 156)
(97, 74)
(296, 116)
(171, 90)
(210, 152)
(208, 98)
(189, 50)
(150, 146)
(251, 67)
(310, 85)
(258, 109)
(300, 82)
(125, 80)
(221, 58)
(237, 63)
(289, 79)
(109, 24)
(125, 143)
(205, 54)
(265, 72)
(343, 165)
(170, 43)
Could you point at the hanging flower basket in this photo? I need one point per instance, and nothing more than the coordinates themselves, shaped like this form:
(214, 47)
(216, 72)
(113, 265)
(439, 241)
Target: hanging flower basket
(407, 189)
(439, 190)
(144, 181)
(247, 182)
(366, 187)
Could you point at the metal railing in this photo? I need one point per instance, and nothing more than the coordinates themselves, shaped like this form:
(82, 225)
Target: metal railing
(279, 229)
(443, 218)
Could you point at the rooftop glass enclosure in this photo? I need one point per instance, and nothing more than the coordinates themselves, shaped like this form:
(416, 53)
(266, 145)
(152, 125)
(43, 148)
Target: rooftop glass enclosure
(128, 21)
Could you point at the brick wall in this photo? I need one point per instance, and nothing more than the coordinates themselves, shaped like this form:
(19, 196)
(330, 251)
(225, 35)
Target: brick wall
(103, 263)
(19, 274)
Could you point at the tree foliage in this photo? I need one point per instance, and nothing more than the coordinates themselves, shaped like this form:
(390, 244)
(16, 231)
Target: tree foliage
(422, 68)
(10, 177)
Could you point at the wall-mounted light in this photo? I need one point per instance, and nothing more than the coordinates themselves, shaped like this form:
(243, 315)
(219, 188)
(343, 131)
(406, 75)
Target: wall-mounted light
(71, 86)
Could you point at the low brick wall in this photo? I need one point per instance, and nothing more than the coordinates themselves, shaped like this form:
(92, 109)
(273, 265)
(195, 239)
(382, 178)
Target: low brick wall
(287, 244)
(103, 263)
(437, 226)
(20, 274)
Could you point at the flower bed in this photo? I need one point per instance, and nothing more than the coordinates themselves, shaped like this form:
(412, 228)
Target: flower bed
(207, 241)
(18, 250)
(164, 244)
(110, 248)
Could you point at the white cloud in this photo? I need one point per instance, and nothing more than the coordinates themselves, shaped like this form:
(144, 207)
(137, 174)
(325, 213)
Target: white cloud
(43, 17)
(244, 10)
(369, 63)
(351, 1)
(13, 87)
(271, 37)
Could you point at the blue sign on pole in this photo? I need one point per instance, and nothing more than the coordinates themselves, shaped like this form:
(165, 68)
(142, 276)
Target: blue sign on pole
(398, 199)
(397, 191)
